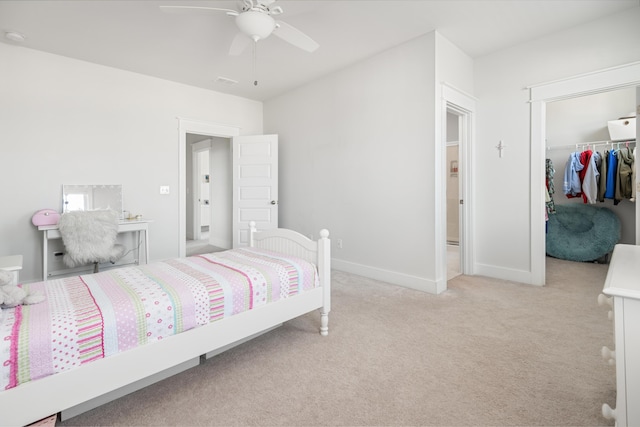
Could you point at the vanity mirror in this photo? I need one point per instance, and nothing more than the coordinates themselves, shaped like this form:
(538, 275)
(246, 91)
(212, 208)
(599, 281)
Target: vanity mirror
(88, 197)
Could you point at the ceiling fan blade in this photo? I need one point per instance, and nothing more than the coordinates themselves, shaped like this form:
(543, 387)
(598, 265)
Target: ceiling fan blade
(294, 36)
(239, 44)
(197, 10)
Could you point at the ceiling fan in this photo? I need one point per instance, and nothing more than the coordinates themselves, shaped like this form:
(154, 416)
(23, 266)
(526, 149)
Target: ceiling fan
(255, 19)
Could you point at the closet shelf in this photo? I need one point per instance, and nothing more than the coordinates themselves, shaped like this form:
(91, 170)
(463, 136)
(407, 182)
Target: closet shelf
(583, 145)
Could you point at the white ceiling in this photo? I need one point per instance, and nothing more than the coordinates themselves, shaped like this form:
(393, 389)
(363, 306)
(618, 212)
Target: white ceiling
(137, 36)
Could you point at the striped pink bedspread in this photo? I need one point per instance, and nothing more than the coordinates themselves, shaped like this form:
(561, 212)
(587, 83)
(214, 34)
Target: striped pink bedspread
(90, 317)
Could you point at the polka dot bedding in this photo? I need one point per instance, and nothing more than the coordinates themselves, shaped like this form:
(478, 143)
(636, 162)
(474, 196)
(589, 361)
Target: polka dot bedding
(89, 317)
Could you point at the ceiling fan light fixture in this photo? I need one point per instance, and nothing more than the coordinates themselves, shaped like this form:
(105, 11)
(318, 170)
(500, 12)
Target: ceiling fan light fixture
(256, 25)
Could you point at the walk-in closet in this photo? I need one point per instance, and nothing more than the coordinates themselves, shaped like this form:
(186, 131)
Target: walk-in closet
(591, 137)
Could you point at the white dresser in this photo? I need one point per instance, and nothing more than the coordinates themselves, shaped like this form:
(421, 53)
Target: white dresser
(623, 285)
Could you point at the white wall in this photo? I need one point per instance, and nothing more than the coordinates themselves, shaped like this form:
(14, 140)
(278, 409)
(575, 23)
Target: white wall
(502, 184)
(357, 156)
(584, 119)
(68, 121)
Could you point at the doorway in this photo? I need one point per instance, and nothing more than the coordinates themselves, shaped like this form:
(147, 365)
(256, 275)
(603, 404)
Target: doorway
(208, 193)
(458, 129)
(580, 123)
(215, 132)
(454, 267)
(539, 95)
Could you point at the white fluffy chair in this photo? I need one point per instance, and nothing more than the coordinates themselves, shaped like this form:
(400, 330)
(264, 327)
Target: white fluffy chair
(90, 237)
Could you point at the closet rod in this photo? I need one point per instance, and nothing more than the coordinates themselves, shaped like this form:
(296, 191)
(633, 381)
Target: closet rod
(592, 143)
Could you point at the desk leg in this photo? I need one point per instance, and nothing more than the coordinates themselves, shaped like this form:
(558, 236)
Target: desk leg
(146, 246)
(138, 243)
(45, 243)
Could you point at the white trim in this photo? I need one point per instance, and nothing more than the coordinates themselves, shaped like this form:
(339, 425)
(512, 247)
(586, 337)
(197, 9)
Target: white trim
(572, 87)
(520, 276)
(186, 126)
(594, 82)
(583, 75)
(394, 277)
(537, 226)
(452, 92)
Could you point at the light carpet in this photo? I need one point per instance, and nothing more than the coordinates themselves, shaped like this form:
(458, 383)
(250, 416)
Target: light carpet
(484, 353)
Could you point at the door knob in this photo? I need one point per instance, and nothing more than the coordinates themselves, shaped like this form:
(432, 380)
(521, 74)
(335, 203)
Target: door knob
(274, 202)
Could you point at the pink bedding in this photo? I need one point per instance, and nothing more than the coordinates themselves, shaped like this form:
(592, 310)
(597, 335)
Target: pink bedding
(90, 317)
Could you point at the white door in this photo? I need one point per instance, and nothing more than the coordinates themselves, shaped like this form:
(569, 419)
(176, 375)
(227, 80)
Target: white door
(255, 185)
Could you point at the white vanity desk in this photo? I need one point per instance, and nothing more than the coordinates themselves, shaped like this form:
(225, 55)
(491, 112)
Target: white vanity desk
(125, 226)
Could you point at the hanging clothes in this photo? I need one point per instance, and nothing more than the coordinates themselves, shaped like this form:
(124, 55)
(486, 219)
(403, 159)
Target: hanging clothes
(550, 173)
(633, 176)
(602, 183)
(591, 178)
(572, 187)
(585, 158)
(612, 170)
(624, 184)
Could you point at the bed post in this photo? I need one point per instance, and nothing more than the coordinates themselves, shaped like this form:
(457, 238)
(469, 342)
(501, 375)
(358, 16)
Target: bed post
(324, 268)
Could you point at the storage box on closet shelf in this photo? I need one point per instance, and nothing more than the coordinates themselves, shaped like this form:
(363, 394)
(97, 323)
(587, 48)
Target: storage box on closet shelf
(623, 129)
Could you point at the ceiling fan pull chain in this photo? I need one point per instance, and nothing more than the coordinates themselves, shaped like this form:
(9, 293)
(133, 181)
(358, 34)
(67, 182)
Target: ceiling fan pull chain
(255, 74)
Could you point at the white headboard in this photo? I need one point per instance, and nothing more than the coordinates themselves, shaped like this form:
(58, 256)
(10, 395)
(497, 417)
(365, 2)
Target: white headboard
(286, 241)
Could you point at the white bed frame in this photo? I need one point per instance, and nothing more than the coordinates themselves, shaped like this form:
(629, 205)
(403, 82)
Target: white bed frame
(73, 392)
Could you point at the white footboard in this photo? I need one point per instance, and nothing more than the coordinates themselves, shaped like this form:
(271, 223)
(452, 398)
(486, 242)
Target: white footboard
(295, 244)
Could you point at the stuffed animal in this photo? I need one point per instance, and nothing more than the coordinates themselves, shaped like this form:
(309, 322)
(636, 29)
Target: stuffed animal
(12, 295)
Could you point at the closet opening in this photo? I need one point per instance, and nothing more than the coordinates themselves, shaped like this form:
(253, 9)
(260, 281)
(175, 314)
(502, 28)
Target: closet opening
(578, 130)
(542, 96)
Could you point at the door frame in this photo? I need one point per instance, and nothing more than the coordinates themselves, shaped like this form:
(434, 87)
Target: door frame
(464, 106)
(186, 126)
(539, 95)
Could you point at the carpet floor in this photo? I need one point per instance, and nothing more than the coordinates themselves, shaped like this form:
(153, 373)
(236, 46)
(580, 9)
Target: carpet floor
(486, 352)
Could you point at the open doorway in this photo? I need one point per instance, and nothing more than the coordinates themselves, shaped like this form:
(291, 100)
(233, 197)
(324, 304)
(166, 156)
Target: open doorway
(186, 127)
(578, 124)
(540, 95)
(458, 127)
(454, 267)
(208, 194)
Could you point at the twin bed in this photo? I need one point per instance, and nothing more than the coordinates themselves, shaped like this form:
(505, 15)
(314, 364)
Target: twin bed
(98, 337)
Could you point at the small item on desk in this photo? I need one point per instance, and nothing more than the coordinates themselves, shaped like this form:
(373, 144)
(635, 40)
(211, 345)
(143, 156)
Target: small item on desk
(130, 217)
(45, 217)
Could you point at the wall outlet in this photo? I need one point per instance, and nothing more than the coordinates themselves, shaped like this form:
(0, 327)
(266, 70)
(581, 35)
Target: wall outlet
(164, 189)
(339, 243)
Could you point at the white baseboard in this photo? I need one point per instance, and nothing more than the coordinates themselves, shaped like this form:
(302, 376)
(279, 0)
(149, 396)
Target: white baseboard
(520, 276)
(393, 277)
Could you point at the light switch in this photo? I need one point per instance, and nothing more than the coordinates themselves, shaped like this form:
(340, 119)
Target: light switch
(164, 189)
